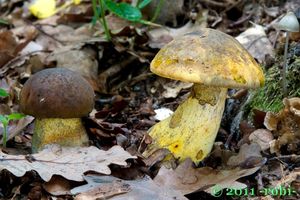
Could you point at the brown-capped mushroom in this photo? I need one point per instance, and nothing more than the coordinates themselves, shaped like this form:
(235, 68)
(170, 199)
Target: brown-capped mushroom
(57, 98)
(214, 62)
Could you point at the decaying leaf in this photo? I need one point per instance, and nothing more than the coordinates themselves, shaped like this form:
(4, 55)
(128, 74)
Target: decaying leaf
(167, 13)
(256, 42)
(16, 126)
(106, 186)
(161, 36)
(172, 88)
(105, 191)
(187, 179)
(263, 137)
(246, 151)
(285, 126)
(271, 121)
(81, 61)
(70, 163)
(8, 45)
(58, 186)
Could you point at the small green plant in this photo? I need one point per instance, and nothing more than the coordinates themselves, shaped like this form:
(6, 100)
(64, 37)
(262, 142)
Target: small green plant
(122, 10)
(3, 93)
(5, 119)
(2, 21)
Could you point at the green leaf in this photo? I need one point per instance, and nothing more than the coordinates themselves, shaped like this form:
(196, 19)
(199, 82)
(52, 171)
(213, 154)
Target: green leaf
(2, 21)
(143, 3)
(3, 93)
(124, 10)
(14, 116)
(3, 119)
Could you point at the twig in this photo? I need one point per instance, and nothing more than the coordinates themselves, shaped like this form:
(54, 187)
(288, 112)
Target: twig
(215, 3)
(242, 20)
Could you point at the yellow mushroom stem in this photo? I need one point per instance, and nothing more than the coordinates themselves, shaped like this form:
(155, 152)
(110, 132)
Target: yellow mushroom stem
(192, 129)
(65, 132)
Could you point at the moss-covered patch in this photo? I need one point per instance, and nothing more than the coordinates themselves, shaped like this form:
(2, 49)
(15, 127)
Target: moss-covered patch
(269, 97)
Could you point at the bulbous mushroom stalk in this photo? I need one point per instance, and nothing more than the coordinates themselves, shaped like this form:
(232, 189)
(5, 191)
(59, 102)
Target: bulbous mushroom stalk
(57, 98)
(213, 61)
(65, 132)
(192, 129)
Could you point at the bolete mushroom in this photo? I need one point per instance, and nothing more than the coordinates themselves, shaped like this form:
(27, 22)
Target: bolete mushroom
(57, 98)
(214, 62)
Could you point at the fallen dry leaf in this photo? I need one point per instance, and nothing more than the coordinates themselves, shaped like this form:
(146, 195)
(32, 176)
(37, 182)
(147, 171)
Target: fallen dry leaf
(246, 151)
(263, 137)
(8, 45)
(70, 163)
(58, 186)
(81, 61)
(172, 88)
(145, 189)
(105, 191)
(293, 175)
(285, 126)
(187, 179)
(255, 40)
(168, 11)
(271, 121)
(16, 126)
(161, 36)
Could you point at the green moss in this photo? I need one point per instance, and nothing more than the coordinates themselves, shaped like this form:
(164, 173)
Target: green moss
(269, 97)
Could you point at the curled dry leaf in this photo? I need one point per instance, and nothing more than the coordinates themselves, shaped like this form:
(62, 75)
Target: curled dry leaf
(172, 88)
(271, 121)
(16, 126)
(246, 151)
(106, 186)
(285, 126)
(105, 191)
(263, 137)
(8, 45)
(70, 163)
(58, 186)
(187, 179)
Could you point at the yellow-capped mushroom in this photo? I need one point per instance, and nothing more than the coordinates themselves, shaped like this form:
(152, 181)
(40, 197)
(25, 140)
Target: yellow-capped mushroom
(214, 62)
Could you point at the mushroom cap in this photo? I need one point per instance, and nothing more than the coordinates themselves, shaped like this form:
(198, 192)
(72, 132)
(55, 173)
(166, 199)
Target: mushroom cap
(56, 93)
(208, 57)
(288, 23)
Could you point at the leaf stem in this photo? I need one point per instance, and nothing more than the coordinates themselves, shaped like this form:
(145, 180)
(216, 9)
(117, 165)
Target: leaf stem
(157, 10)
(108, 36)
(4, 139)
(94, 5)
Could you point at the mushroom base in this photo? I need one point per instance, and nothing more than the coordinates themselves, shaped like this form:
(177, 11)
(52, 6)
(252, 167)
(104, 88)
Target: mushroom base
(191, 131)
(65, 132)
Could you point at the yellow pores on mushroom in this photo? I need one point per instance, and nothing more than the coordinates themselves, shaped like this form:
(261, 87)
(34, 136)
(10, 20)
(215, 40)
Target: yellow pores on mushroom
(214, 62)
